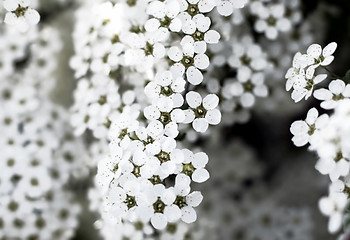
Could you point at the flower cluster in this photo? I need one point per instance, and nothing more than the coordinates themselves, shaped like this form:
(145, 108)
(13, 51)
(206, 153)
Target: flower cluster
(250, 62)
(152, 81)
(326, 134)
(138, 75)
(301, 77)
(39, 155)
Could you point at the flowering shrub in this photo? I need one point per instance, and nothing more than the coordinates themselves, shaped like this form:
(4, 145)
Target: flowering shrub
(146, 119)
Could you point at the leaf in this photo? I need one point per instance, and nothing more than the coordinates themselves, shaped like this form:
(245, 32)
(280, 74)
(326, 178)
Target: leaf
(347, 76)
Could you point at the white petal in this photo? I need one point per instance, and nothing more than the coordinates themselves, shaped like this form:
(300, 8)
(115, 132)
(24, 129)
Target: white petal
(200, 47)
(200, 160)
(323, 94)
(225, 8)
(271, 33)
(247, 100)
(159, 221)
(328, 60)
(193, 99)
(175, 25)
(299, 127)
(299, 94)
(206, 5)
(319, 78)
(210, 102)
(201, 61)
(189, 116)
(300, 140)
(310, 71)
(10, 18)
(177, 156)
(213, 116)
(212, 37)
(177, 70)
(200, 124)
(194, 199)
(314, 50)
(10, 5)
(326, 206)
(32, 16)
(189, 215)
(194, 76)
(152, 25)
(182, 181)
(329, 49)
(151, 112)
(189, 27)
(175, 54)
(337, 86)
(172, 213)
(335, 222)
(312, 115)
(168, 196)
(200, 175)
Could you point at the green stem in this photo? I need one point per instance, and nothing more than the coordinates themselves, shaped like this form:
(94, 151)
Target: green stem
(332, 73)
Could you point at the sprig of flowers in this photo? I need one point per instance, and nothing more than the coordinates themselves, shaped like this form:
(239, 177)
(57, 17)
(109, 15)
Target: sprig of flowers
(146, 175)
(301, 77)
(326, 134)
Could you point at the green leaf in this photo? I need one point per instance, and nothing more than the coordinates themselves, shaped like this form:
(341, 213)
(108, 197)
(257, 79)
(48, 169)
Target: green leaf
(347, 76)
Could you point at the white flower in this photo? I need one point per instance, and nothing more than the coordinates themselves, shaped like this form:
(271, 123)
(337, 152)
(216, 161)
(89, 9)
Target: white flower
(164, 85)
(337, 91)
(162, 110)
(247, 54)
(302, 75)
(150, 136)
(193, 166)
(316, 56)
(247, 88)
(333, 206)
(168, 157)
(202, 112)
(186, 60)
(36, 182)
(272, 20)
(20, 14)
(123, 124)
(165, 14)
(304, 130)
(191, 8)
(95, 99)
(199, 34)
(192, 200)
(164, 209)
(295, 72)
(335, 168)
(110, 168)
(303, 87)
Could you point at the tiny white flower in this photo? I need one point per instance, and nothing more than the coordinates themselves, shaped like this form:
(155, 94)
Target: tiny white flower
(333, 206)
(304, 130)
(20, 15)
(321, 57)
(193, 166)
(337, 91)
(202, 112)
(186, 60)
